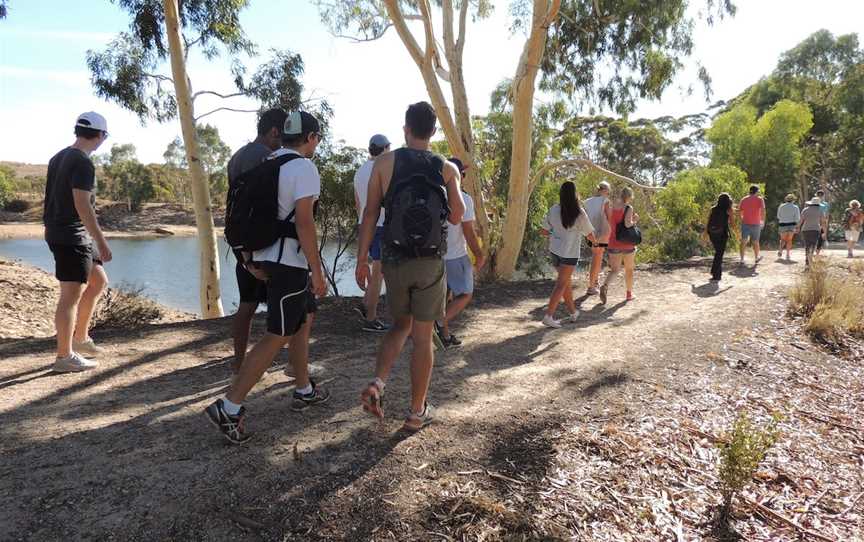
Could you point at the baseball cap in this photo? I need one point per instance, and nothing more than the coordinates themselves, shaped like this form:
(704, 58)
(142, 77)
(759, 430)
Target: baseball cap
(379, 140)
(92, 120)
(458, 163)
(603, 185)
(301, 122)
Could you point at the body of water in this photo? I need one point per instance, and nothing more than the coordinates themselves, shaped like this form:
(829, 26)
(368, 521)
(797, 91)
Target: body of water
(165, 268)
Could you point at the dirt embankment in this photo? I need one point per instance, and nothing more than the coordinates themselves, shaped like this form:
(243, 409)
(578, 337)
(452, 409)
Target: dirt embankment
(154, 219)
(604, 430)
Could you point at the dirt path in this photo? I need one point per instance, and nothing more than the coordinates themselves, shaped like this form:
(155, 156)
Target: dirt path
(125, 453)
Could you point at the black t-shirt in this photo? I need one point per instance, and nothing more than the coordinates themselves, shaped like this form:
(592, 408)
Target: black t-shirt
(68, 169)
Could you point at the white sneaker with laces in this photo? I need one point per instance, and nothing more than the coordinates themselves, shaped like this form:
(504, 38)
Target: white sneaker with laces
(573, 317)
(549, 321)
(87, 347)
(73, 364)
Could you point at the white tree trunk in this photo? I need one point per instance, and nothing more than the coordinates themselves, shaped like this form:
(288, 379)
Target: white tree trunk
(545, 12)
(211, 299)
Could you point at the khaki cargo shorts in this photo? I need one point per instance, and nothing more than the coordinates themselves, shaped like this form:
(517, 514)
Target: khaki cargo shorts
(416, 287)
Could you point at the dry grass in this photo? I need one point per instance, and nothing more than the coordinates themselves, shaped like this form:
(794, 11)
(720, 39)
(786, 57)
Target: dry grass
(829, 298)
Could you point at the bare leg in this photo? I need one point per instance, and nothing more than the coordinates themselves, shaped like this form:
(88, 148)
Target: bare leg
(96, 283)
(422, 359)
(756, 249)
(254, 366)
(454, 308)
(67, 305)
(561, 283)
(596, 265)
(298, 352)
(241, 328)
(373, 292)
(614, 268)
(568, 295)
(744, 241)
(629, 268)
(392, 344)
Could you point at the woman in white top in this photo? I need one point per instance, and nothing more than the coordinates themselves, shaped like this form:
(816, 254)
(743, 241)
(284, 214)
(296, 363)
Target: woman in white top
(565, 225)
(788, 216)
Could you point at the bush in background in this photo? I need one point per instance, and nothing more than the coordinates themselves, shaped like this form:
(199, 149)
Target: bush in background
(831, 300)
(120, 309)
(17, 206)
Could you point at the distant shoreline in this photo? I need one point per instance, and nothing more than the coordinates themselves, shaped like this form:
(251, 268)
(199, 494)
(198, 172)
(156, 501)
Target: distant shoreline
(35, 230)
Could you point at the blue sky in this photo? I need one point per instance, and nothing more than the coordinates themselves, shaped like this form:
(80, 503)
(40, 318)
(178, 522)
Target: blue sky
(44, 81)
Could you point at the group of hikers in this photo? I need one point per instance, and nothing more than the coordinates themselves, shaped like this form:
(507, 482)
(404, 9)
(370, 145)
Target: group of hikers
(416, 228)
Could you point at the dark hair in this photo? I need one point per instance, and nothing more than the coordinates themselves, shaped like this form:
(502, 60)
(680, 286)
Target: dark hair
(272, 118)
(569, 201)
(295, 140)
(87, 133)
(820, 193)
(724, 202)
(420, 120)
(375, 150)
(754, 189)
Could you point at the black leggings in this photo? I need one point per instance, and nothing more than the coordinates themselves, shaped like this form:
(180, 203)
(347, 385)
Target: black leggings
(719, 242)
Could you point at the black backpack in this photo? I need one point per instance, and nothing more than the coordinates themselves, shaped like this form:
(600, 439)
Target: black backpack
(416, 215)
(252, 208)
(718, 221)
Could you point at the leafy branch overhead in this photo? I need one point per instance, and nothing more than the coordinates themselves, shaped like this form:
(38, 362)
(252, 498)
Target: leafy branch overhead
(129, 71)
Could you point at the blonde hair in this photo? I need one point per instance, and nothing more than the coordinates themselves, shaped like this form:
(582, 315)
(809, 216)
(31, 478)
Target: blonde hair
(626, 194)
(854, 204)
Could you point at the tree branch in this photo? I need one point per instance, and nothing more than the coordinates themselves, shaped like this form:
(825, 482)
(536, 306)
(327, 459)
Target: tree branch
(199, 117)
(401, 27)
(158, 77)
(463, 17)
(582, 163)
(217, 94)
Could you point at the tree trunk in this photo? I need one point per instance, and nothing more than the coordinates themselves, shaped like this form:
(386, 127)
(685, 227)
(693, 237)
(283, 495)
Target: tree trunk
(211, 299)
(518, 194)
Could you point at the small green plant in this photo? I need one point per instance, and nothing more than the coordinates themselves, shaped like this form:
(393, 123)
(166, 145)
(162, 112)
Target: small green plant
(741, 454)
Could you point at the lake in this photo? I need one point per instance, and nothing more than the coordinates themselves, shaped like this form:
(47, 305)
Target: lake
(164, 268)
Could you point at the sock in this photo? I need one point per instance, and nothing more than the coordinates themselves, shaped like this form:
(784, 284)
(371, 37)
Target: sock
(305, 391)
(230, 408)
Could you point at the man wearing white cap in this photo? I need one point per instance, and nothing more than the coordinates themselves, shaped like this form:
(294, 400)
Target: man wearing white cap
(378, 145)
(76, 241)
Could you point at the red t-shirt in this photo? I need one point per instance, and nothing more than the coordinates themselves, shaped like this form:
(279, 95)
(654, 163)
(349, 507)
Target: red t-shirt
(751, 210)
(617, 218)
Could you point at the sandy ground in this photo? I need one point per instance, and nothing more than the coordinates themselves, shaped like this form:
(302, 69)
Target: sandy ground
(125, 453)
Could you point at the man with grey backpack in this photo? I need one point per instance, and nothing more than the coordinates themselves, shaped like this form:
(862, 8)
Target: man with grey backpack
(420, 193)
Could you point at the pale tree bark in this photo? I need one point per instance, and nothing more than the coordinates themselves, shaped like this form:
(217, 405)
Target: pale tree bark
(523, 87)
(211, 299)
(428, 60)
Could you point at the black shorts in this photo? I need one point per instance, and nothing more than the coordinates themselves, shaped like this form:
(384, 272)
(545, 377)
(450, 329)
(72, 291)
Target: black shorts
(289, 299)
(598, 245)
(251, 289)
(73, 263)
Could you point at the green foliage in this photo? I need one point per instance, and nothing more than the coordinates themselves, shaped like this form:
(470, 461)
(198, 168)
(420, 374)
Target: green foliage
(741, 455)
(7, 184)
(124, 178)
(337, 212)
(214, 154)
(767, 148)
(683, 207)
(611, 54)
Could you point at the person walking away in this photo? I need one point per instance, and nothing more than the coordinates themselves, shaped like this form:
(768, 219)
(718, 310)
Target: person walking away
(416, 187)
(826, 210)
(77, 243)
(457, 264)
(599, 210)
(565, 224)
(294, 277)
(720, 221)
(253, 291)
(788, 216)
(810, 226)
(620, 252)
(853, 223)
(378, 145)
(752, 209)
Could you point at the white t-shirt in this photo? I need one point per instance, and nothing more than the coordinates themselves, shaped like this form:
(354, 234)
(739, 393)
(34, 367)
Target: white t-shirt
(566, 242)
(456, 245)
(594, 207)
(298, 179)
(361, 189)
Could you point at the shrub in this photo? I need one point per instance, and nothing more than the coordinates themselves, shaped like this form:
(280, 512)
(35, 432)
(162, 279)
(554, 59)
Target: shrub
(741, 454)
(17, 205)
(830, 300)
(7, 178)
(120, 309)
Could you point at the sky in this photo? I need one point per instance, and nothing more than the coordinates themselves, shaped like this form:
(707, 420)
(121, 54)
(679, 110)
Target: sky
(44, 82)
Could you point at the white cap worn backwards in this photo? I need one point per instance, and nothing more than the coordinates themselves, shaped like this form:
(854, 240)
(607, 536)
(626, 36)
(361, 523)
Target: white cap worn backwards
(92, 120)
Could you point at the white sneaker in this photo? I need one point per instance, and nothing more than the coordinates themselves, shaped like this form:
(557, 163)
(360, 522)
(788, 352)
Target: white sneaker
(572, 318)
(87, 347)
(548, 321)
(73, 364)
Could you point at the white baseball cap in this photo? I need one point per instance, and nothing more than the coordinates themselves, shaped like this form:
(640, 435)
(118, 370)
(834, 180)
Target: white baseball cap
(92, 120)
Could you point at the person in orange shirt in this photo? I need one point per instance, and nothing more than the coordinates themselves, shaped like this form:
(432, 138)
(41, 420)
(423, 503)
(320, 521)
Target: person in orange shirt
(752, 209)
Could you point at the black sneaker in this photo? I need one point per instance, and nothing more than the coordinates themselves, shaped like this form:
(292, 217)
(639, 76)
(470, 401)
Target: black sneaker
(361, 310)
(438, 337)
(302, 402)
(375, 326)
(233, 427)
(453, 341)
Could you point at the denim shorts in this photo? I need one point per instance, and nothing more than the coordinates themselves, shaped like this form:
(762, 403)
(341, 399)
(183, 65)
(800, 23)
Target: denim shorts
(460, 275)
(375, 247)
(558, 261)
(751, 231)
